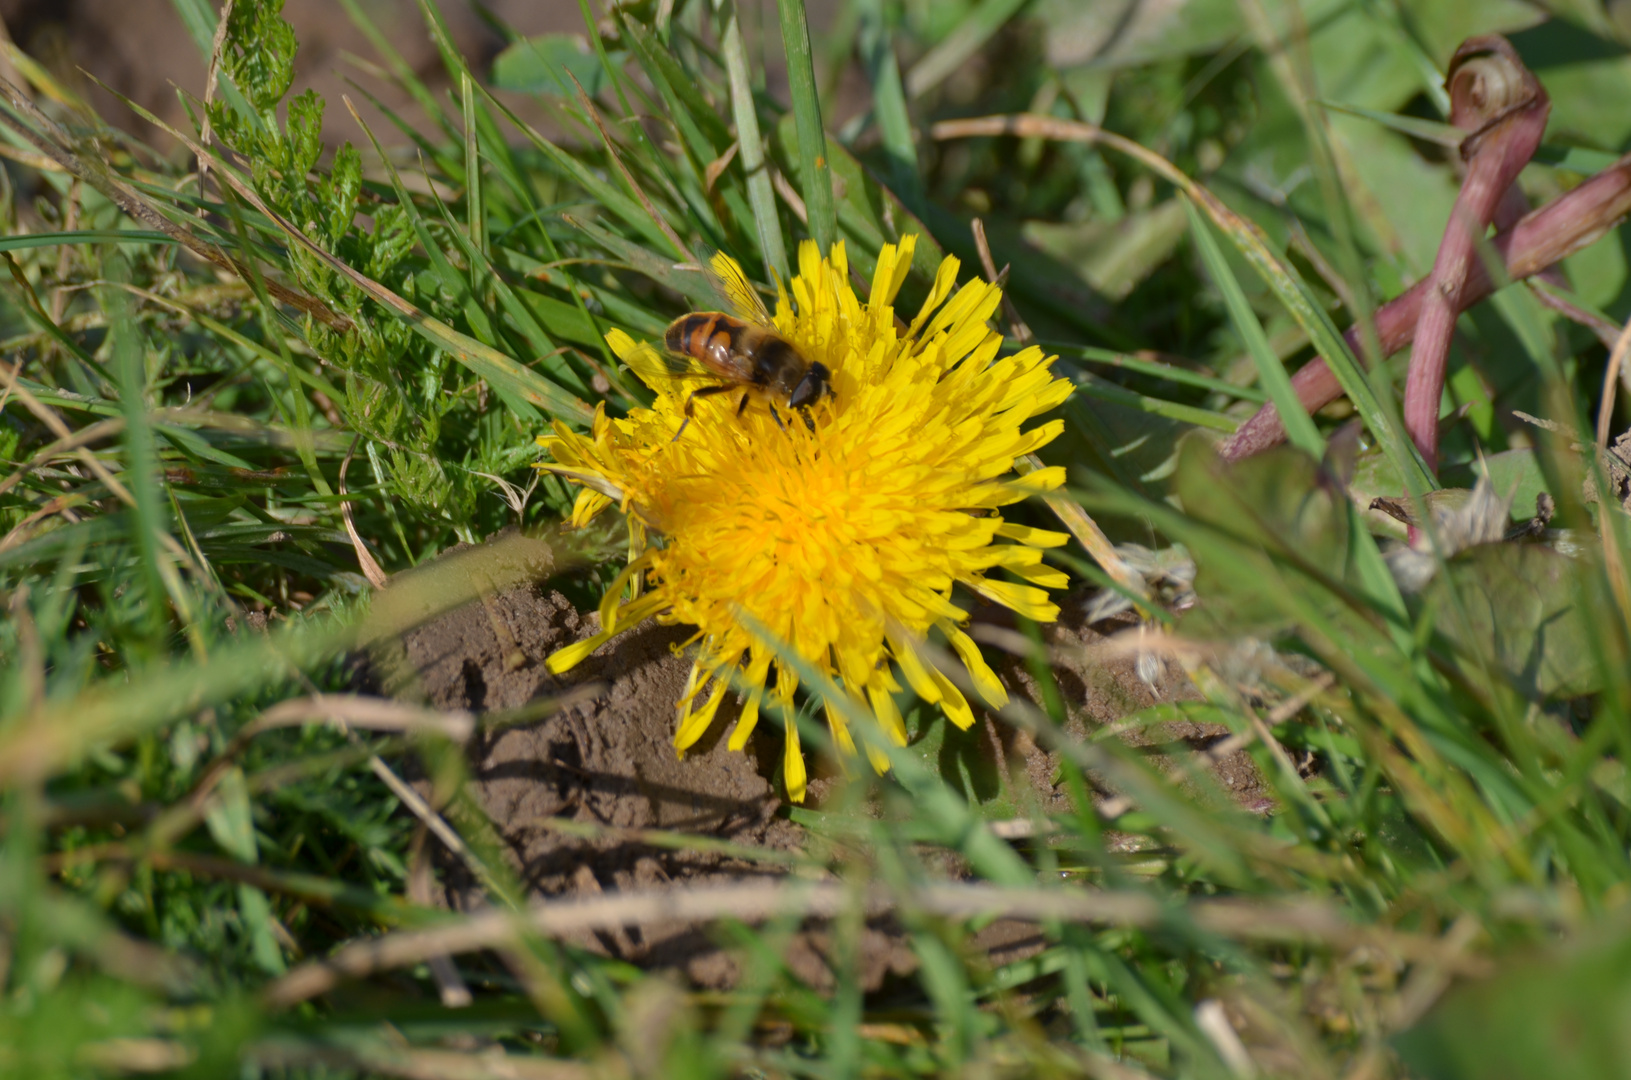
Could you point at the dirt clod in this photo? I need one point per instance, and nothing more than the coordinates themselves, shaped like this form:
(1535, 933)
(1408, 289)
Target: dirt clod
(606, 766)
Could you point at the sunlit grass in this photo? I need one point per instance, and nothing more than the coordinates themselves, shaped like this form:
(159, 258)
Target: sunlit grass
(216, 392)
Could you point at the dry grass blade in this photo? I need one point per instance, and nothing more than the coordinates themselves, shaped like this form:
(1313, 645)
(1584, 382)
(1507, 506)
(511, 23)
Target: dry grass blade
(1294, 921)
(96, 173)
(365, 558)
(1249, 240)
(487, 362)
(415, 1064)
(66, 436)
(356, 711)
(102, 429)
(657, 219)
(211, 81)
(1611, 382)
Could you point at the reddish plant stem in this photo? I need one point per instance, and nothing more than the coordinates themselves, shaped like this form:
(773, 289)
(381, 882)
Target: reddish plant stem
(1543, 237)
(1493, 94)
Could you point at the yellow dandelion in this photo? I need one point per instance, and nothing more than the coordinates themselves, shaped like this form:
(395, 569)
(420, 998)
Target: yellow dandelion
(842, 537)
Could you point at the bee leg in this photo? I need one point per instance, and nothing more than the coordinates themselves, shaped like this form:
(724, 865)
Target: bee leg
(776, 416)
(706, 391)
(743, 407)
(809, 421)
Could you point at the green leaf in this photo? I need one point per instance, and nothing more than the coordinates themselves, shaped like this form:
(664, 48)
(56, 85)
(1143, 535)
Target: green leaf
(1521, 613)
(1114, 257)
(1288, 527)
(1565, 1015)
(540, 65)
(959, 46)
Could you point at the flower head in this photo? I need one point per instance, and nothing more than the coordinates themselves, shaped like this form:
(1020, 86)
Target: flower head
(841, 538)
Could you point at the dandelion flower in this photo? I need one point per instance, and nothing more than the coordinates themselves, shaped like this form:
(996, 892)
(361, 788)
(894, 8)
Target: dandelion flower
(842, 538)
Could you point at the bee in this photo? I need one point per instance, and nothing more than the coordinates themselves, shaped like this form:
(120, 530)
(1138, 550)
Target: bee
(741, 352)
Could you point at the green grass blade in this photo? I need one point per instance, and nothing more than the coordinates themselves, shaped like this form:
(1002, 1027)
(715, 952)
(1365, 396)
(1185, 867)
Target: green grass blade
(606, 194)
(761, 196)
(83, 236)
(1432, 131)
(1153, 368)
(401, 70)
(141, 454)
(1093, 386)
(812, 137)
(958, 47)
(474, 201)
(877, 52)
(1300, 427)
(520, 385)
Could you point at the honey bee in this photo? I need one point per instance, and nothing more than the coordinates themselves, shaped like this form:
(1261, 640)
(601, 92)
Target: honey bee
(741, 351)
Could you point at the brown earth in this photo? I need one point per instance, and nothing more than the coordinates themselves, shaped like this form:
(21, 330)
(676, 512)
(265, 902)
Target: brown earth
(142, 50)
(606, 766)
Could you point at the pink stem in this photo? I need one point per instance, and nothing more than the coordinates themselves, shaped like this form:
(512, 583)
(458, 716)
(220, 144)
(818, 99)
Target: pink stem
(1546, 236)
(1486, 77)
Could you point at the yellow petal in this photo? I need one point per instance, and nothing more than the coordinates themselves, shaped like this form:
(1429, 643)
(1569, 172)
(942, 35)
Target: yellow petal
(746, 722)
(952, 701)
(840, 730)
(840, 263)
(985, 680)
(621, 343)
(945, 279)
(878, 759)
(1025, 534)
(1039, 437)
(570, 657)
(694, 723)
(810, 261)
(1046, 576)
(793, 774)
(894, 263)
(1019, 488)
(1029, 602)
(1053, 395)
(758, 668)
(912, 666)
(614, 594)
(888, 714)
(586, 506)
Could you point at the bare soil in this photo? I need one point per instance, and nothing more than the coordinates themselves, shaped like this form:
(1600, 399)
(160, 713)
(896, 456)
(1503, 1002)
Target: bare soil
(141, 49)
(606, 765)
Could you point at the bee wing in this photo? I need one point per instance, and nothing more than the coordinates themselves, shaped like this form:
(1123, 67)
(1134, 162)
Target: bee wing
(664, 371)
(735, 289)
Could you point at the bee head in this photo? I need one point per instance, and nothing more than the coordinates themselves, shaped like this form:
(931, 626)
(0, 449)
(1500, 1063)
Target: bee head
(816, 384)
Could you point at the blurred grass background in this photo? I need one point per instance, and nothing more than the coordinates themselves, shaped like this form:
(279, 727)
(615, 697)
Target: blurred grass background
(180, 446)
